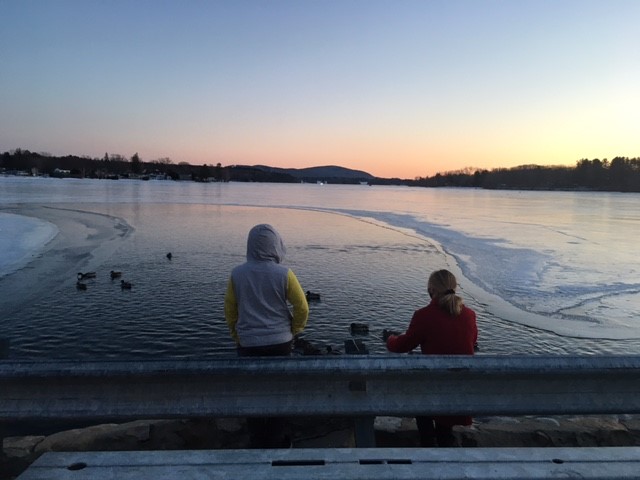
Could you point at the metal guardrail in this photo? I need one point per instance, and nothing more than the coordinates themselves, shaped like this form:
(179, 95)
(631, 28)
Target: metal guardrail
(358, 386)
(605, 463)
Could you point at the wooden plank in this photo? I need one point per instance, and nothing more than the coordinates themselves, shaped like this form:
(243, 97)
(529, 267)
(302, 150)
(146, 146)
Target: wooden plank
(343, 464)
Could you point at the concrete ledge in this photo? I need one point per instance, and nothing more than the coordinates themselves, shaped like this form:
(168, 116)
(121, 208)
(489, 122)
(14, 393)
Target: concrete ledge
(333, 464)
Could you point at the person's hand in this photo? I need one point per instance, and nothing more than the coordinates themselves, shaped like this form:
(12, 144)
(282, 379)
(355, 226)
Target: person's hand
(388, 333)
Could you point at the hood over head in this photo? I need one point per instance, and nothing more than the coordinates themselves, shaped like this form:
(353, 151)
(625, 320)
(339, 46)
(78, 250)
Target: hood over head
(265, 244)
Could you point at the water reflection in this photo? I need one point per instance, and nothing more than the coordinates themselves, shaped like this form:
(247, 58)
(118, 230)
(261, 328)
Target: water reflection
(364, 272)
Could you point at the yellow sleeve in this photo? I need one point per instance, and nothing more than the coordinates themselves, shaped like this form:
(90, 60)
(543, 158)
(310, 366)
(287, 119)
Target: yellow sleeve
(231, 310)
(297, 298)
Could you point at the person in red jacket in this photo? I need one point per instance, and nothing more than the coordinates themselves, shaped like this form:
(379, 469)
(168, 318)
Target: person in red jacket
(444, 327)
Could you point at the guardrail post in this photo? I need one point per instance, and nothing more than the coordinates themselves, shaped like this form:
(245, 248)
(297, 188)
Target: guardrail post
(364, 432)
(363, 426)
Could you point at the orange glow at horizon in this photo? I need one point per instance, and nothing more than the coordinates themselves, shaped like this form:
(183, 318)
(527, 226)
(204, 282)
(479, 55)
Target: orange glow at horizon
(396, 90)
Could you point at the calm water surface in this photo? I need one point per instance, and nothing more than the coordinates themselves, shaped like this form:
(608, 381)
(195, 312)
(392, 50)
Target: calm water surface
(368, 251)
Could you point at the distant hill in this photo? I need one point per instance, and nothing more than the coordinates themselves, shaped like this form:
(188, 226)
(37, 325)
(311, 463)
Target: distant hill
(328, 173)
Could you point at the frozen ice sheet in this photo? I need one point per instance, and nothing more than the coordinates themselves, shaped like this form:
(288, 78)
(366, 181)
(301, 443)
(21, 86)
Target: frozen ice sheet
(22, 238)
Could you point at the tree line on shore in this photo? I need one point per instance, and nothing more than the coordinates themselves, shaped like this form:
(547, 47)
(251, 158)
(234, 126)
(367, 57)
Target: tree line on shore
(621, 174)
(109, 166)
(113, 166)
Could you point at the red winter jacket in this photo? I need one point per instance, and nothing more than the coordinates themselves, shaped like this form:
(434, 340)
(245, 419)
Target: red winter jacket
(439, 333)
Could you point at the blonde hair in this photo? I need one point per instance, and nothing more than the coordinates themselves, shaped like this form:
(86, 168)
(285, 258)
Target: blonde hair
(442, 285)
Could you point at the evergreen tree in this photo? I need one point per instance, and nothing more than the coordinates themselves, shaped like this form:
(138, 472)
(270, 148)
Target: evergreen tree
(136, 164)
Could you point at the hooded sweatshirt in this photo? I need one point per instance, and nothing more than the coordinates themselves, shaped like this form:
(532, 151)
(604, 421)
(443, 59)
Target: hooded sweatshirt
(255, 304)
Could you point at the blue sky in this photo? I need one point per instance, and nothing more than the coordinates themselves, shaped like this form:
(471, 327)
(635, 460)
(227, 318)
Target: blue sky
(396, 88)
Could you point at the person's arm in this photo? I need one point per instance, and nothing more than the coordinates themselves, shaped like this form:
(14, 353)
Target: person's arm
(297, 298)
(407, 341)
(231, 311)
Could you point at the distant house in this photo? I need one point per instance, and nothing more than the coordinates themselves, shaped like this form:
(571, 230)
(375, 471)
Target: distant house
(17, 173)
(157, 176)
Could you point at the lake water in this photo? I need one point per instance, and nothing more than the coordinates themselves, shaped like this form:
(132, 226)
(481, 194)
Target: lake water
(546, 272)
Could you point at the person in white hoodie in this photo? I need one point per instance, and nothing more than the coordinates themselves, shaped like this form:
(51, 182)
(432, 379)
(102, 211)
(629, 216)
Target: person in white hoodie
(256, 307)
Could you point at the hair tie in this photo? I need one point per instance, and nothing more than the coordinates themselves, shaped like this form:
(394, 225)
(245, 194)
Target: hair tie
(450, 292)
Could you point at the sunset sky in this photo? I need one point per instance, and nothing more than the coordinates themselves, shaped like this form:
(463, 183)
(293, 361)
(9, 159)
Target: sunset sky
(398, 88)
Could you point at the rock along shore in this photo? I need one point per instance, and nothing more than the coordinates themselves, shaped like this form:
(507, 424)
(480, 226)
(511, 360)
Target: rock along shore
(231, 433)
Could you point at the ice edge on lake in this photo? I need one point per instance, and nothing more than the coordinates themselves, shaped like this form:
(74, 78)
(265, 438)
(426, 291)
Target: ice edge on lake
(22, 238)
